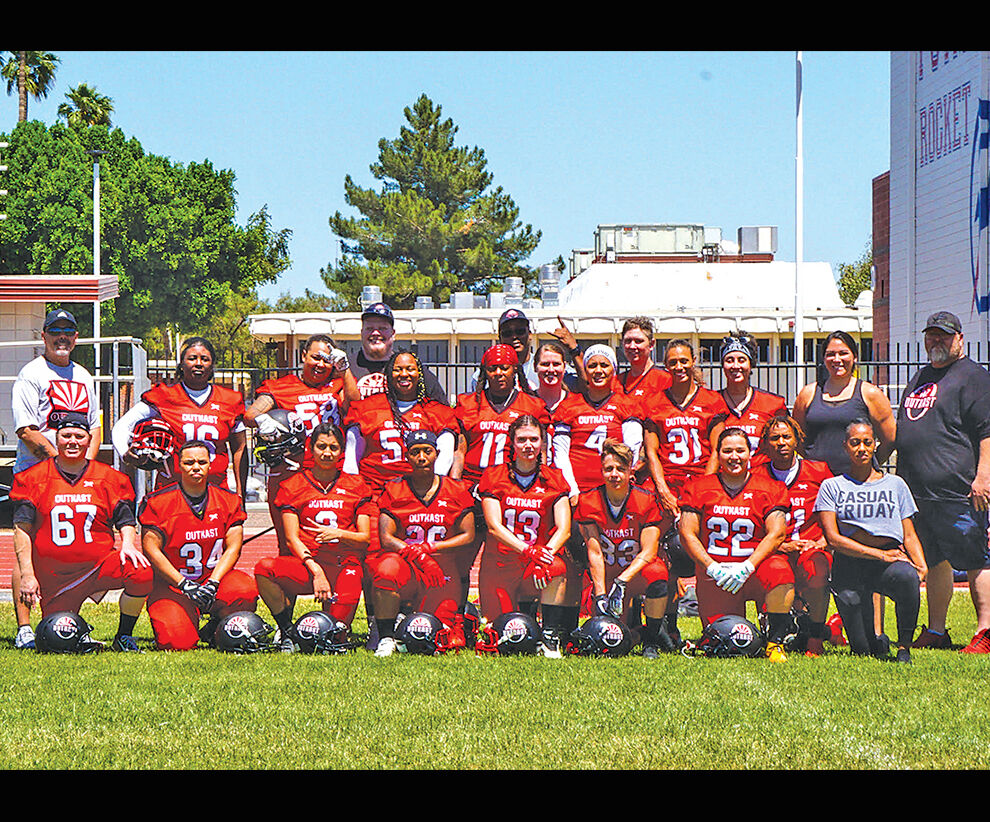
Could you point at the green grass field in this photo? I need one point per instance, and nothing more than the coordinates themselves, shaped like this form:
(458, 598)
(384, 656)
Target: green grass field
(203, 709)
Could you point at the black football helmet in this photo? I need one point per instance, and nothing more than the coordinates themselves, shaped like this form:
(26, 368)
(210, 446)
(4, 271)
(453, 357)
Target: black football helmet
(421, 633)
(602, 636)
(155, 442)
(512, 633)
(243, 632)
(64, 632)
(285, 447)
(728, 636)
(319, 633)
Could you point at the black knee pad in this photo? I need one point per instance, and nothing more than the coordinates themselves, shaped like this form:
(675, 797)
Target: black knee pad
(657, 589)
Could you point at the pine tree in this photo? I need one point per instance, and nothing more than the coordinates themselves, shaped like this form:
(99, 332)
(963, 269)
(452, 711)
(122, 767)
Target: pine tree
(434, 227)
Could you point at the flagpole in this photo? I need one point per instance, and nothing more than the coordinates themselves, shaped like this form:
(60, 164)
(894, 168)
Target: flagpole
(798, 231)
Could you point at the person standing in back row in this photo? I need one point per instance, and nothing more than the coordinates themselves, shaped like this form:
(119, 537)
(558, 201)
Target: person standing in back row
(943, 453)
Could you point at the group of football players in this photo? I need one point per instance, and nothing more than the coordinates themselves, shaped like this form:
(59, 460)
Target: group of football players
(580, 494)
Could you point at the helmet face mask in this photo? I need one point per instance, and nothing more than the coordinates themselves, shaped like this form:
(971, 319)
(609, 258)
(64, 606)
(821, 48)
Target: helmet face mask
(154, 441)
(64, 632)
(243, 632)
(319, 633)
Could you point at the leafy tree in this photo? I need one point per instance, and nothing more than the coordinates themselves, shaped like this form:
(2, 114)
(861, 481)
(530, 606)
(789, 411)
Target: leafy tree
(434, 227)
(857, 277)
(167, 230)
(86, 107)
(30, 73)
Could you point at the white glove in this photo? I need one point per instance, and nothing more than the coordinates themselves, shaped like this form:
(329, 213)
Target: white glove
(737, 576)
(338, 359)
(268, 427)
(718, 572)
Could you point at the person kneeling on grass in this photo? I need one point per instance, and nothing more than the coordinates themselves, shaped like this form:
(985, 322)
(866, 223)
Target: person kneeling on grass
(731, 524)
(866, 516)
(327, 527)
(66, 509)
(425, 526)
(192, 532)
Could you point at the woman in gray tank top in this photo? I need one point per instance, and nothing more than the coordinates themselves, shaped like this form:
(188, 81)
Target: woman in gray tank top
(825, 408)
(866, 518)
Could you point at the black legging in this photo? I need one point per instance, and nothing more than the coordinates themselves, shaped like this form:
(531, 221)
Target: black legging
(854, 580)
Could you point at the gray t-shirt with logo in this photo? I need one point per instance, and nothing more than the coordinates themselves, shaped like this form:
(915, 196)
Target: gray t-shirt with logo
(878, 507)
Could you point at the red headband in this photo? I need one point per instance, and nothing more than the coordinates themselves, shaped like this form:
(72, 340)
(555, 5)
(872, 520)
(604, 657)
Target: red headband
(500, 354)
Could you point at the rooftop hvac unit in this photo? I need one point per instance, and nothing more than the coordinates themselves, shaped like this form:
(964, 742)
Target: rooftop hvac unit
(532, 302)
(496, 299)
(549, 274)
(462, 299)
(513, 285)
(480, 301)
(424, 303)
(760, 239)
(370, 294)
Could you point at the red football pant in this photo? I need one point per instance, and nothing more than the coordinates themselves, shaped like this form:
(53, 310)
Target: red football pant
(502, 584)
(390, 572)
(175, 618)
(344, 572)
(67, 592)
(713, 602)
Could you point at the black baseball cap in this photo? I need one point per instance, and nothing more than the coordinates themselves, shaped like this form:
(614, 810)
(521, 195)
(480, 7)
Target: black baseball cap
(379, 310)
(420, 437)
(944, 321)
(511, 314)
(59, 315)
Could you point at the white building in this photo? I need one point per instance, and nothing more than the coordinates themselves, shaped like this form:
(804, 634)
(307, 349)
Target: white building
(939, 126)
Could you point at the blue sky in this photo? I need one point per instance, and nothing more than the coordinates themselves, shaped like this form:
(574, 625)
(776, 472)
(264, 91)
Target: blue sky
(575, 138)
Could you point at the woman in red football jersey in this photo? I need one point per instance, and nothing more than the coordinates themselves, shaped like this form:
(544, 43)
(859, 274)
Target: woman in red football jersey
(731, 524)
(621, 524)
(528, 517)
(744, 406)
(192, 531)
(804, 544)
(325, 514)
(426, 522)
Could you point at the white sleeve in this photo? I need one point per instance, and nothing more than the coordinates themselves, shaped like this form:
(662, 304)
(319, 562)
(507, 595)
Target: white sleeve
(562, 460)
(353, 450)
(25, 401)
(120, 435)
(446, 443)
(632, 435)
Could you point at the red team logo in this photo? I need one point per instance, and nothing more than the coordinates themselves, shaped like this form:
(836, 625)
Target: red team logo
(65, 627)
(612, 634)
(66, 396)
(917, 403)
(515, 630)
(419, 627)
(741, 636)
(237, 627)
(371, 384)
(308, 628)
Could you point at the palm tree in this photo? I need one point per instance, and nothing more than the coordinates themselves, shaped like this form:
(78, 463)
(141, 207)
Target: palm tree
(30, 72)
(86, 107)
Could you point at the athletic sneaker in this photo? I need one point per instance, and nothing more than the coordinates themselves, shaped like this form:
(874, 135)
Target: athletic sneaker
(550, 646)
(929, 639)
(979, 644)
(24, 641)
(285, 645)
(372, 643)
(651, 652)
(125, 643)
(815, 648)
(904, 656)
(775, 652)
(386, 647)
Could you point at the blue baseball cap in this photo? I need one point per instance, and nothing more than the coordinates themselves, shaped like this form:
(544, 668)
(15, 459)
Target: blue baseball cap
(379, 310)
(512, 314)
(59, 315)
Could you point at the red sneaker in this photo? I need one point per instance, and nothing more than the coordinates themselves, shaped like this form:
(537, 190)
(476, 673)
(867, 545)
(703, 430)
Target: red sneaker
(815, 647)
(835, 631)
(980, 644)
(927, 639)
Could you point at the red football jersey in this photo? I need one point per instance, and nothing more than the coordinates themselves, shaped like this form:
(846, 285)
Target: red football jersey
(762, 406)
(193, 543)
(619, 535)
(802, 518)
(732, 525)
(73, 520)
(338, 506)
(384, 455)
(212, 421)
(648, 384)
(311, 405)
(527, 512)
(486, 430)
(588, 426)
(684, 432)
(425, 520)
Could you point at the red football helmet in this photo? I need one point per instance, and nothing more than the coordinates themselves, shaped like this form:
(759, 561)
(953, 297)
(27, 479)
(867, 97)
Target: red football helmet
(155, 442)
